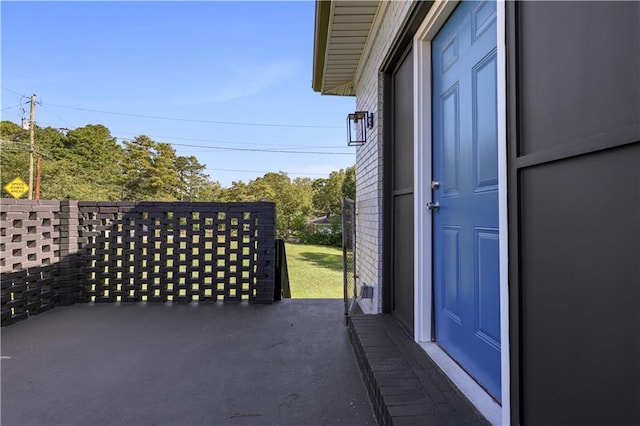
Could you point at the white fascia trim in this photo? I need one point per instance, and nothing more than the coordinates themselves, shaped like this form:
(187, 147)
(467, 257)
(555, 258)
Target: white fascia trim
(423, 285)
(373, 32)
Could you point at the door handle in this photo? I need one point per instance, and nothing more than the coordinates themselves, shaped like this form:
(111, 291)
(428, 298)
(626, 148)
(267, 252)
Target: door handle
(433, 206)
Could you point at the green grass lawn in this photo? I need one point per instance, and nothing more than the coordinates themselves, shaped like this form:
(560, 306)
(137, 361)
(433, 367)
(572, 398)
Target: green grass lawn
(315, 272)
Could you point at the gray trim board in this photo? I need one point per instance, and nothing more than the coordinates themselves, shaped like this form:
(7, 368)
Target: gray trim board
(512, 208)
(616, 138)
(403, 191)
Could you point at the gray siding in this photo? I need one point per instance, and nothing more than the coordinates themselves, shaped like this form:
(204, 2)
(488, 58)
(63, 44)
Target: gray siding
(574, 169)
(401, 196)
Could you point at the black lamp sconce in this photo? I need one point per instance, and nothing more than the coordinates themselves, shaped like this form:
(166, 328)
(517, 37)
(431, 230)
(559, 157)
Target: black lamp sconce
(357, 124)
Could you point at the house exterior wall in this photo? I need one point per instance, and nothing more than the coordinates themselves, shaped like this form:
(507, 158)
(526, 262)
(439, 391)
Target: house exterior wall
(369, 158)
(574, 190)
(573, 135)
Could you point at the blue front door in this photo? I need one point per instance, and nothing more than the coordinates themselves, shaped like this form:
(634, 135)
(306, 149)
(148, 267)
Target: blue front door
(465, 174)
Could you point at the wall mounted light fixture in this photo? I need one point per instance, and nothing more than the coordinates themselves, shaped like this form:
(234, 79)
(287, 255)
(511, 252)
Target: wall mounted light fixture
(357, 124)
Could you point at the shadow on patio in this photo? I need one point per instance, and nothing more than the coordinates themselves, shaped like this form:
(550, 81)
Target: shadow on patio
(289, 363)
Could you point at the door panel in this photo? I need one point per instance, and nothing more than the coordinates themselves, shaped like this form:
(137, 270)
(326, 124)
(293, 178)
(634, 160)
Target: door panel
(451, 151)
(465, 162)
(451, 271)
(488, 279)
(485, 124)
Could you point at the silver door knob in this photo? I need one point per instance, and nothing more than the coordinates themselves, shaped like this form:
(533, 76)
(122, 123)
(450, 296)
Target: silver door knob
(433, 206)
(435, 184)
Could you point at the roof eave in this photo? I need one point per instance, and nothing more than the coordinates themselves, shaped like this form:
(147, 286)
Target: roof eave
(342, 33)
(323, 12)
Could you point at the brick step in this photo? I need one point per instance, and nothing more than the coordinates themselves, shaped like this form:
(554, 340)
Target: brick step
(404, 385)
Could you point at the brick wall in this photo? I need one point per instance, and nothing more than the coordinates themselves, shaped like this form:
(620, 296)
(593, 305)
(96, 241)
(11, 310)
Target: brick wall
(33, 242)
(62, 252)
(369, 161)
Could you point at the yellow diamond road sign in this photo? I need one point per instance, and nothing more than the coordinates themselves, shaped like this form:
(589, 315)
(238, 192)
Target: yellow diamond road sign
(16, 188)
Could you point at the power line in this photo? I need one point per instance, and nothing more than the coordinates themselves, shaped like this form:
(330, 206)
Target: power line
(59, 118)
(191, 120)
(266, 171)
(159, 137)
(226, 148)
(13, 91)
(279, 151)
(11, 107)
(24, 147)
(50, 125)
(235, 143)
(37, 151)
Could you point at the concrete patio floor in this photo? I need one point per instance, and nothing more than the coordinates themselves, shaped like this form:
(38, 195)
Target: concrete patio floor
(290, 363)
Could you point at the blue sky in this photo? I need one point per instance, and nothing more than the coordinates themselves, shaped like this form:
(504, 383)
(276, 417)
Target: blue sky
(199, 65)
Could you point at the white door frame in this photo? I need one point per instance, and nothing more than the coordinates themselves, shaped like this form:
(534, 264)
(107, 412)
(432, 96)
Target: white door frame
(423, 268)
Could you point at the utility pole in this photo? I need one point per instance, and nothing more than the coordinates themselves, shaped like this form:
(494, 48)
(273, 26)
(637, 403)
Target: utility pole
(38, 177)
(31, 143)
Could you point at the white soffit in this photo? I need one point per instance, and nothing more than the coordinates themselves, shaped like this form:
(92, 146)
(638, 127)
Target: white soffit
(349, 26)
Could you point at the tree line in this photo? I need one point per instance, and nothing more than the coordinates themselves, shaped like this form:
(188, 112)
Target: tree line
(88, 163)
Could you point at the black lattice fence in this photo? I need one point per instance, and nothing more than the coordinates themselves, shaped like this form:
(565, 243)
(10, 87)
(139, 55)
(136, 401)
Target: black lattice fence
(349, 254)
(62, 252)
(177, 252)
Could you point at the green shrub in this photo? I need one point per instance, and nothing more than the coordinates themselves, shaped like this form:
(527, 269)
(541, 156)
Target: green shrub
(321, 239)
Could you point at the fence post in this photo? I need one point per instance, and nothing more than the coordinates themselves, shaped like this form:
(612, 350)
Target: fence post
(348, 255)
(282, 288)
(68, 275)
(265, 265)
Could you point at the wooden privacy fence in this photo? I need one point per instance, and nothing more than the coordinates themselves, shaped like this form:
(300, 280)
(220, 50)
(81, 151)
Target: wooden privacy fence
(59, 253)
